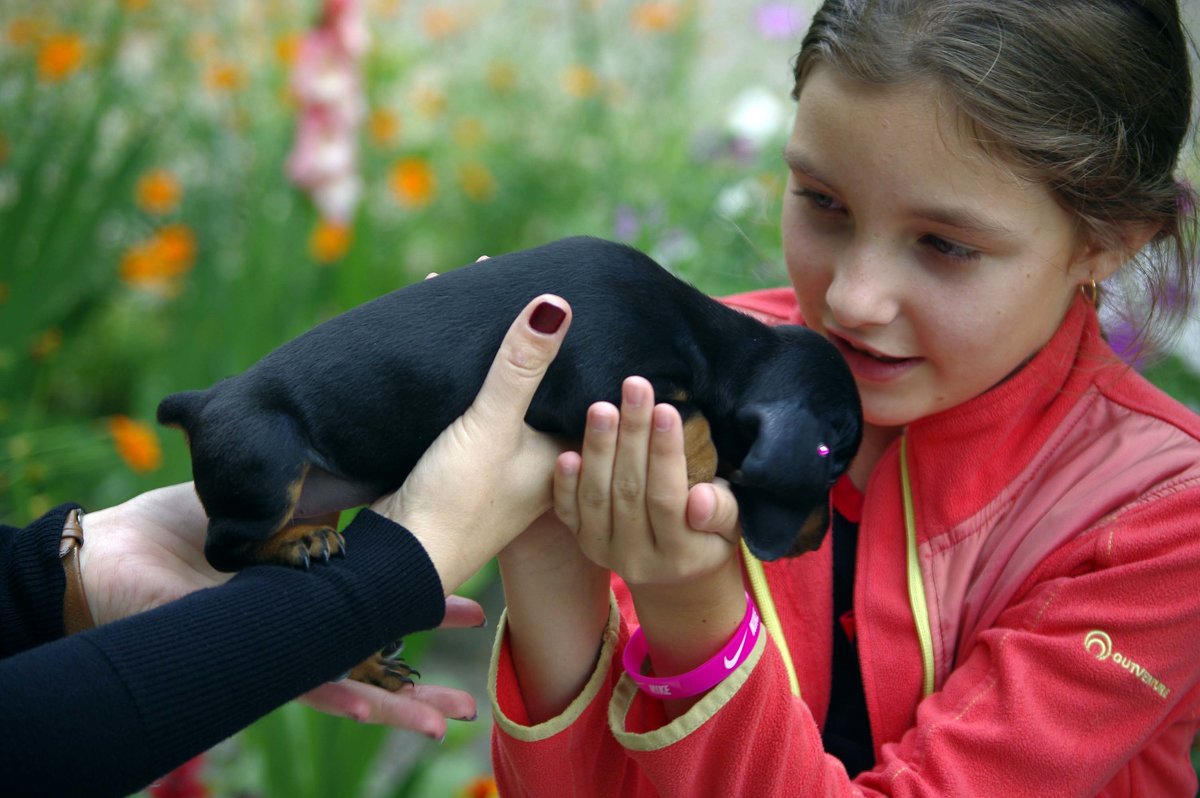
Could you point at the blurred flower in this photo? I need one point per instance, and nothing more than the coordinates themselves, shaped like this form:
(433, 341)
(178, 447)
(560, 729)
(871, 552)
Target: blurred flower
(225, 76)
(580, 82)
(469, 133)
(481, 787)
(60, 55)
(24, 31)
(384, 126)
(626, 225)
(757, 118)
(138, 445)
(779, 21)
(412, 182)
(655, 17)
(135, 5)
(329, 241)
(287, 47)
(46, 344)
(501, 76)
(201, 45)
(158, 192)
(440, 23)
(477, 181)
(327, 84)
(429, 101)
(157, 264)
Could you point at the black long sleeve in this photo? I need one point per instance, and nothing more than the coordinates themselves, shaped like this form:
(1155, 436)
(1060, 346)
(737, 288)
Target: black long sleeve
(107, 711)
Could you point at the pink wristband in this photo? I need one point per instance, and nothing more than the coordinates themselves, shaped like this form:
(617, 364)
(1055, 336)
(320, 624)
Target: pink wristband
(701, 678)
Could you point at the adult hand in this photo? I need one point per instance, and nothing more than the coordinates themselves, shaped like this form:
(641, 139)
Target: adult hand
(150, 550)
(488, 475)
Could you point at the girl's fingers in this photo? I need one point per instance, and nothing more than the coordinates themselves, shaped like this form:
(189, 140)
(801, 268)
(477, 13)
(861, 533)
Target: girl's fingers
(566, 490)
(629, 463)
(667, 476)
(462, 613)
(595, 474)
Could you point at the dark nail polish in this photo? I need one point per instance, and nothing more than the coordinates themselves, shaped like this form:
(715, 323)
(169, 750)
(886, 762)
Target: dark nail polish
(547, 318)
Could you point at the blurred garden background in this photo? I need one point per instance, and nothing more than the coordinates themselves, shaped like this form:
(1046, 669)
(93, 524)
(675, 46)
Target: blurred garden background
(186, 184)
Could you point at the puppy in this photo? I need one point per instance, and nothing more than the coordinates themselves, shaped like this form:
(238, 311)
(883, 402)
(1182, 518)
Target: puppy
(339, 416)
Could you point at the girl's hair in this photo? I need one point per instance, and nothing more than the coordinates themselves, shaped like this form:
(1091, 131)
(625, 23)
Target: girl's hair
(1092, 98)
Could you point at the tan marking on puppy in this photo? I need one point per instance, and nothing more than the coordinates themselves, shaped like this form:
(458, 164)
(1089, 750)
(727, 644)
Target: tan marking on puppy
(699, 449)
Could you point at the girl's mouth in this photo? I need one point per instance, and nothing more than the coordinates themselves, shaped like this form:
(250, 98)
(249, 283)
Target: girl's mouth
(870, 364)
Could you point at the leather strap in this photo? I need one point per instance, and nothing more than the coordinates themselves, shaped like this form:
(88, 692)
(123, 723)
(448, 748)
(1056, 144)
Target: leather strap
(76, 615)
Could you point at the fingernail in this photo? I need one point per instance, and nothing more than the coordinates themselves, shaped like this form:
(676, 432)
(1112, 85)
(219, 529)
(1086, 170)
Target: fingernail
(469, 718)
(547, 318)
(482, 623)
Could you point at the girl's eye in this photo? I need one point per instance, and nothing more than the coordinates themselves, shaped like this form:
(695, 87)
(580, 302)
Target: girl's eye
(821, 201)
(949, 249)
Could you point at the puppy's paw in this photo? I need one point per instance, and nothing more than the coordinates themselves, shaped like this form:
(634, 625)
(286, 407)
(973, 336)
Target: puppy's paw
(385, 669)
(298, 546)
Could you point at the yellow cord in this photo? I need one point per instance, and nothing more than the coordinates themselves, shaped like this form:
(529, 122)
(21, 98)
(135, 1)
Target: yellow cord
(766, 609)
(916, 585)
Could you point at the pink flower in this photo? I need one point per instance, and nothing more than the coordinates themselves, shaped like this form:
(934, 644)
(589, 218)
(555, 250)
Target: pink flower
(327, 83)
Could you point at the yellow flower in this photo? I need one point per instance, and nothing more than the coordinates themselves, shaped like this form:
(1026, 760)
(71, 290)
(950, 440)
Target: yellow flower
(46, 344)
(135, 5)
(501, 76)
(655, 17)
(477, 181)
(412, 182)
(329, 241)
(481, 787)
(429, 101)
(384, 126)
(136, 442)
(580, 82)
(60, 56)
(469, 133)
(158, 192)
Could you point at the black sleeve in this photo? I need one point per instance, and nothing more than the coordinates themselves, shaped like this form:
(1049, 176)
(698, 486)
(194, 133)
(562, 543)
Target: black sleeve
(32, 582)
(107, 711)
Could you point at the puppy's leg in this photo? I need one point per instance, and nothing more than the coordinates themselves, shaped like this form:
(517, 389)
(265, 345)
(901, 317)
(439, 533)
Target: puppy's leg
(699, 449)
(385, 669)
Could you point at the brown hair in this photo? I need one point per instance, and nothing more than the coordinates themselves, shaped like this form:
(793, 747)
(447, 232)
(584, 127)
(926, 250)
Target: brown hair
(1092, 98)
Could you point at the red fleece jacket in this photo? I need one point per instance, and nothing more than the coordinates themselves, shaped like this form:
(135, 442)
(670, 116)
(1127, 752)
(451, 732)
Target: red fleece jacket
(1035, 630)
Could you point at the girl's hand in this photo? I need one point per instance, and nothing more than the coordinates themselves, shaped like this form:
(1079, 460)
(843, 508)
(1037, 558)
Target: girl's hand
(150, 550)
(626, 497)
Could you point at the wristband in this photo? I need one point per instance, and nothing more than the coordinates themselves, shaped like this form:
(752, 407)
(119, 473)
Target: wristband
(703, 677)
(76, 615)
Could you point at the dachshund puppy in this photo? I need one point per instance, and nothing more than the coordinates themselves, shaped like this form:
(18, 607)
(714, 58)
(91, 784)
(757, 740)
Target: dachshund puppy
(339, 415)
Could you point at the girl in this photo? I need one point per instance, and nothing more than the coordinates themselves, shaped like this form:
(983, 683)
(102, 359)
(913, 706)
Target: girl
(1005, 604)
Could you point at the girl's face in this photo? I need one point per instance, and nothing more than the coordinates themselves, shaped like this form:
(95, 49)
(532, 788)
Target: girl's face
(932, 267)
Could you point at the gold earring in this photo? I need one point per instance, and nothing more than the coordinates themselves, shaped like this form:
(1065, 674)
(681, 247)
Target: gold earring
(1091, 291)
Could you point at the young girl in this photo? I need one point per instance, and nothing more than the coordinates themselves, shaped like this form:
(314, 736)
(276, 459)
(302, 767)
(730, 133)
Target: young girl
(1006, 603)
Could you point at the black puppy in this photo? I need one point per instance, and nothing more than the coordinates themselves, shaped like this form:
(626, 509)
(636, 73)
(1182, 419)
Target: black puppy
(340, 415)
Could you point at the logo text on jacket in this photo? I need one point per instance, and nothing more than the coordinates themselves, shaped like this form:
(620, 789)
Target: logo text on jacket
(1099, 643)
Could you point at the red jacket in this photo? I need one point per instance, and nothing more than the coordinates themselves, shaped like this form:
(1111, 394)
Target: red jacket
(1035, 629)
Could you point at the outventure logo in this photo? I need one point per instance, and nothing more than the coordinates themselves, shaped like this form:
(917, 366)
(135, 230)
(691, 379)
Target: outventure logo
(1099, 644)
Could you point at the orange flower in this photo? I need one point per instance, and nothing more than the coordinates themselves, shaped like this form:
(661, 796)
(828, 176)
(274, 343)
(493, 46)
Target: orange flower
(440, 23)
(46, 344)
(413, 182)
(158, 192)
(481, 787)
(60, 56)
(157, 263)
(477, 181)
(287, 47)
(655, 17)
(384, 125)
(580, 82)
(25, 30)
(329, 241)
(225, 76)
(136, 442)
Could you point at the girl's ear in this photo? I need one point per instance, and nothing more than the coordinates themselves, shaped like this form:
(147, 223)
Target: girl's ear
(1098, 260)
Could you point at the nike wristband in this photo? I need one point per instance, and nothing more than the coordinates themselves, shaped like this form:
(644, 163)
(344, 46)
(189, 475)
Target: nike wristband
(702, 678)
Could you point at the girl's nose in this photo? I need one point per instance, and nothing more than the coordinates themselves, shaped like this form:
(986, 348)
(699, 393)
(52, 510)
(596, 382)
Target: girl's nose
(863, 291)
